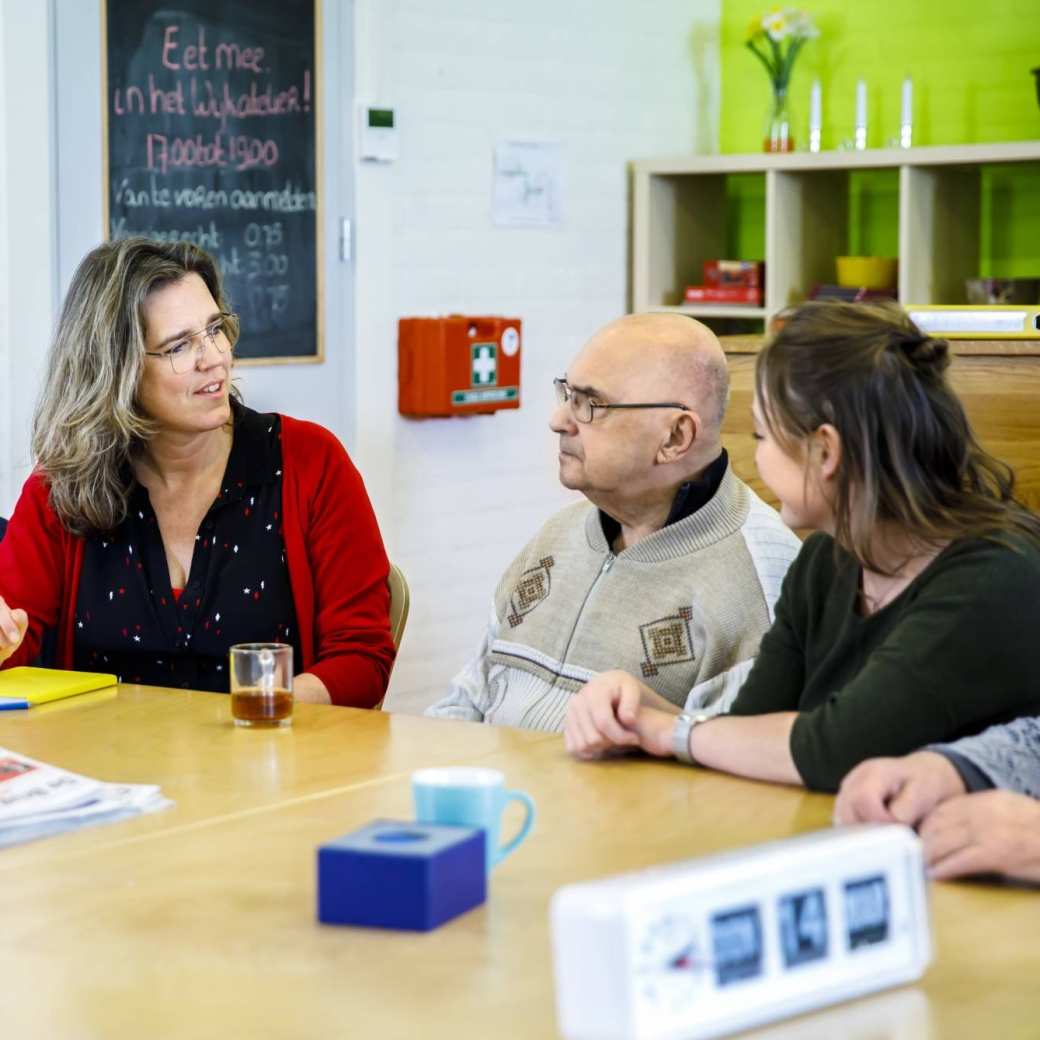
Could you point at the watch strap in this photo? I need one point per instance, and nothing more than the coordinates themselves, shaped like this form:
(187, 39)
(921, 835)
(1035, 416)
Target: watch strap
(681, 735)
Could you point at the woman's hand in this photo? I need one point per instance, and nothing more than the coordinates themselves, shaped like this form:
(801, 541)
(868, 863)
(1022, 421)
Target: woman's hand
(984, 833)
(614, 710)
(13, 626)
(602, 716)
(897, 790)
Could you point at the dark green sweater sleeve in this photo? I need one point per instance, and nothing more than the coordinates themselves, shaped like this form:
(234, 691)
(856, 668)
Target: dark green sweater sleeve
(965, 653)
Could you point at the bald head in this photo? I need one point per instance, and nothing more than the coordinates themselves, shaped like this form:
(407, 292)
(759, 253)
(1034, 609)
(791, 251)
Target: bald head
(670, 372)
(665, 357)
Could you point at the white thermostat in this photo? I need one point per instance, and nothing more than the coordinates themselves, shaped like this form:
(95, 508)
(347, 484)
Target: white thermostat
(715, 945)
(378, 136)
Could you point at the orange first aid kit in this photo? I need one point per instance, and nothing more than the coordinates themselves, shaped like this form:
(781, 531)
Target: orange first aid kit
(459, 365)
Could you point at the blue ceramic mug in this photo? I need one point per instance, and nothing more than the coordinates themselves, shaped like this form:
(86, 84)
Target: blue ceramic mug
(467, 796)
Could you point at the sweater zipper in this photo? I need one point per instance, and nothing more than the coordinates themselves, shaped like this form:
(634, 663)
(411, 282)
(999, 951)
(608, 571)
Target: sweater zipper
(607, 564)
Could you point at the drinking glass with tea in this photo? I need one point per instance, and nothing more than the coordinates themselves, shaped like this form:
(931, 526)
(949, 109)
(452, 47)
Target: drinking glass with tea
(261, 685)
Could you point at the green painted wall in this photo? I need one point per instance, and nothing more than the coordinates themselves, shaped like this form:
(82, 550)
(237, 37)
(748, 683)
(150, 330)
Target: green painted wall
(970, 65)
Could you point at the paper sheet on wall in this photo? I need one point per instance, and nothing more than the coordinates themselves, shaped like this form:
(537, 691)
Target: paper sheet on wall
(527, 184)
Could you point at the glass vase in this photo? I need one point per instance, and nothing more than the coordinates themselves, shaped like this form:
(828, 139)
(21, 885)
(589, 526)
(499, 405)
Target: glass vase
(778, 134)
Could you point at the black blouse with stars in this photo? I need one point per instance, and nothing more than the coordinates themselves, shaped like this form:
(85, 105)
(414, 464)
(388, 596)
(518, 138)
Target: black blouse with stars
(127, 618)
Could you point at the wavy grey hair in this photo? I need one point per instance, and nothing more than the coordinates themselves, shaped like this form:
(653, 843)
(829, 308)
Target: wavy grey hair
(88, 424)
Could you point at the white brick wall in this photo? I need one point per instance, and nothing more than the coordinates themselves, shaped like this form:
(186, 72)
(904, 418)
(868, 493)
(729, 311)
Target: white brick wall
(609, 81)
(5, 297)
(27, 231)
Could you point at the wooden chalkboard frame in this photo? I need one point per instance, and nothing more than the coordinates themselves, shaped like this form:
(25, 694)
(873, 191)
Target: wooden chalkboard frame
(319, 176)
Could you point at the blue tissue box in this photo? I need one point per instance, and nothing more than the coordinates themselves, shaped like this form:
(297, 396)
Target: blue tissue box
(412, 876)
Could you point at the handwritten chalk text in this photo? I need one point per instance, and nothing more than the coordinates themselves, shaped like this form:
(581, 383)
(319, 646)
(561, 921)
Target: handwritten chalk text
(206, 236)
(287, 199)
(240, 152)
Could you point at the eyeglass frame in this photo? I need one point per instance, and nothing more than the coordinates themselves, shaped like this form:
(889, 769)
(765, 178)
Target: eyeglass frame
(564, 392)
(209, 340)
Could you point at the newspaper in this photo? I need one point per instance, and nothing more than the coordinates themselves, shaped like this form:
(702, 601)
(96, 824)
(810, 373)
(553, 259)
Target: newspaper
(37, 800)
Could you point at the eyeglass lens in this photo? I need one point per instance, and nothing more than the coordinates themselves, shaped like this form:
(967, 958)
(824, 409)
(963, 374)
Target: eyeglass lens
(581, 406)
(215, 335)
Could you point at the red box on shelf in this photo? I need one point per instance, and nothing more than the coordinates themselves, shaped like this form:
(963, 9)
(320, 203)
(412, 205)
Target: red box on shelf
(746, 273)
(737, 294)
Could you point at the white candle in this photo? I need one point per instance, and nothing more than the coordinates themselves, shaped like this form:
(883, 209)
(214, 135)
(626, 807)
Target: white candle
(906, 115)
(815, 120)
(861, 114)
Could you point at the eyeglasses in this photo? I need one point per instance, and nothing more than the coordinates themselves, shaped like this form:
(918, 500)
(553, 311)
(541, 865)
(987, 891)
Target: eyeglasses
(183, 353)
(583, 408)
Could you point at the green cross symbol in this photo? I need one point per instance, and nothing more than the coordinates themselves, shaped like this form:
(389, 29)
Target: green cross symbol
(484, 364)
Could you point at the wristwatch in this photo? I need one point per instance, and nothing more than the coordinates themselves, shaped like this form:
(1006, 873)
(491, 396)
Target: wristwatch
(681, 735)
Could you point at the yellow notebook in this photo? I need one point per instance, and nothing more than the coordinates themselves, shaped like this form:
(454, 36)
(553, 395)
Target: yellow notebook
(24, 687)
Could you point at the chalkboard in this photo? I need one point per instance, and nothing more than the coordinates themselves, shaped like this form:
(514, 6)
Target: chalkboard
(212, 138)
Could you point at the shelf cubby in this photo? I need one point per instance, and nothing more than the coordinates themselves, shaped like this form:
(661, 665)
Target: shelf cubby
(939, 209)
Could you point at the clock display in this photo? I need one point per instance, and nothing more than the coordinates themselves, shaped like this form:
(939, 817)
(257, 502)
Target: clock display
(866, 911)
(736, 939)
(803, 927)
(705, 948)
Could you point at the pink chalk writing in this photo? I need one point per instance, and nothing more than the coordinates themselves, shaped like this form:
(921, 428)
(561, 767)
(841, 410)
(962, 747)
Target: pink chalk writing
(163, 152)
(240, 151)
(128, 101)
(219, 101)
(231, 56)
(209, 99)
(168, 102)
(212, 138)
(194, 56)
(248, 152)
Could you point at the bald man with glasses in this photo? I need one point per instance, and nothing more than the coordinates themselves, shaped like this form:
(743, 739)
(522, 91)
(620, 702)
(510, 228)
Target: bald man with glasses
(669, 570)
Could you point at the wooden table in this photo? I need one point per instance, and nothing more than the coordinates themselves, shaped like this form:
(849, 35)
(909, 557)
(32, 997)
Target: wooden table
(200, 922)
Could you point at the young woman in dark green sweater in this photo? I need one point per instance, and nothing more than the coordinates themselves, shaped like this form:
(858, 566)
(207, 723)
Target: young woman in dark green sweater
(908, 618)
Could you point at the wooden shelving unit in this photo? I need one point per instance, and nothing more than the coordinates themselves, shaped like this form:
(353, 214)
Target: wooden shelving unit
(680, 219)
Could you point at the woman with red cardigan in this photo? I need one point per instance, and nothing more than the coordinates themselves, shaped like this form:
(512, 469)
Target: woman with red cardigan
(165, 521)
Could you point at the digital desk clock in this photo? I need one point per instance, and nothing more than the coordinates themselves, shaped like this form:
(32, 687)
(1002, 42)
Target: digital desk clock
(715, 945)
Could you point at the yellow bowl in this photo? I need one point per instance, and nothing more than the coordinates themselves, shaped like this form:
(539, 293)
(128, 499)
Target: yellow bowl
(867, 272)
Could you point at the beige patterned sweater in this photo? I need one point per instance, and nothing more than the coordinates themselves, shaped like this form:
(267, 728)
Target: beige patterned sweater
(683, 610)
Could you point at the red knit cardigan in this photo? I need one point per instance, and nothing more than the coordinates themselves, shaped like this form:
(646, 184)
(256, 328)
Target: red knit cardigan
(338, 569)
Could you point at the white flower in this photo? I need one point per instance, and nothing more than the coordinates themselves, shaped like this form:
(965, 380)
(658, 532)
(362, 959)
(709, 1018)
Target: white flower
(776, 25)
(782, 23)
(802, 26)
